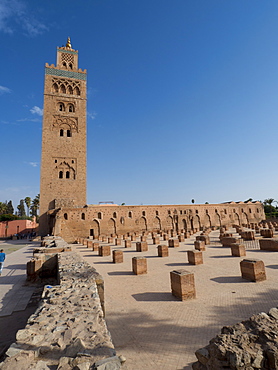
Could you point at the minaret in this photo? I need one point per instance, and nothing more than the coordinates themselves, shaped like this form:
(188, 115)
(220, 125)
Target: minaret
(63, 160)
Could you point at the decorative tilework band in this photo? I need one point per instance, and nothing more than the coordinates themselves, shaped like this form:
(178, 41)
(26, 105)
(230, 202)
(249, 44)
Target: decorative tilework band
(64, 73)
(67, 51)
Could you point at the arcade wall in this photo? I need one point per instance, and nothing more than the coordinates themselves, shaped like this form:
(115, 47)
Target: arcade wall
(95, 220)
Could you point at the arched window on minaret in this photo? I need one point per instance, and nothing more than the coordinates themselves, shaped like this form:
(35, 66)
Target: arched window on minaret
(61, 132)
(61, 107)
(63, 89)
(71, 108)
(67, 175)
(60, 174)
(55, 88)
(70, 90)
(76, 91)
(68, 133)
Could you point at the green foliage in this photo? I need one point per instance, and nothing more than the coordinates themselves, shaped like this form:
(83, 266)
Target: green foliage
(35, 205)
(10, 208)
(27, 201)
(21, 208)
(8, 217)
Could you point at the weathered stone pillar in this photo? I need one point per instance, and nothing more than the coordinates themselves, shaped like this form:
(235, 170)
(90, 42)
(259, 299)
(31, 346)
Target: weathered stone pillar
(162, 251)
(195, 257)
(118, 257)
(204, 238)
(200, 245)
(141, 247)
(182, 284)
(118, 241)
(252, 269)
(238, 250)
(156, 240)
(139, 265)
(127, 243)
(104, 250)
(173, 243)
(181, 238)
(95, 246)
(90, 244)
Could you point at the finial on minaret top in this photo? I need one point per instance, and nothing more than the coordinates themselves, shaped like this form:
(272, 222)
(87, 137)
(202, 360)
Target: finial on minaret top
(68, 45)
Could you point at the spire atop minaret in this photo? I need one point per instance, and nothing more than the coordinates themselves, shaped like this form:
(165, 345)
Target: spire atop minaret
(68, 45)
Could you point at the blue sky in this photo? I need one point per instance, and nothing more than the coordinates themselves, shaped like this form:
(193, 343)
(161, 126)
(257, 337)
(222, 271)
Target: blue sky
(182, 96)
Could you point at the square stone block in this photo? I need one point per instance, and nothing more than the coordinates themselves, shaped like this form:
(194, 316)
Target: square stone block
(84, 241)
(162, 251)
(181, 238)
(204, 238)
(118, 257)
(143, 238)
(173, 234)
(195, 257)
(173, 243)
(104, 250)
(104, 239)
(165, 237)
(269, 244)
(118, 241)
(238, 250)
(267, 233)
(90, 244)
(139, 265)
(95, 246)
(141, 247)
(156, 240)
(182, 284)
(187, 234)
(133, 237)
(200, 245)
(252, 269)
(111, 240)
(127, 243)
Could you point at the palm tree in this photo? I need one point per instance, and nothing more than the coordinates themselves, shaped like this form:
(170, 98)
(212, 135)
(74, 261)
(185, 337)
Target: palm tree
(27, 201)
(268, 201)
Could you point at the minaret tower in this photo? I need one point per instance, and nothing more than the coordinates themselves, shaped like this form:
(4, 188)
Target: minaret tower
(63, 160)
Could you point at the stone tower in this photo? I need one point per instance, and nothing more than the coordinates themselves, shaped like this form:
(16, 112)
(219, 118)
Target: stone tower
(63, 160)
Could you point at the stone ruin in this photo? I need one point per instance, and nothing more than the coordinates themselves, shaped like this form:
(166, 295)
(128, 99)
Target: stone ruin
(68, 330)
(251, 344)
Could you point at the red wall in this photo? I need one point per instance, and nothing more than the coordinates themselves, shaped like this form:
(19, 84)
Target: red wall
(9, 228)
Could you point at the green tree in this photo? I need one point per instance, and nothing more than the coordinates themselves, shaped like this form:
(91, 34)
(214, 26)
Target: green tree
(10, 208)
(35, 205)
(269, 209)
(3, 208)
(21, 208)
(27, 201)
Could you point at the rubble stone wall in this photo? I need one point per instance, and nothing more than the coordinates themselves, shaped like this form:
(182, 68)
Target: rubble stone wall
(251, 344)
(68, 330)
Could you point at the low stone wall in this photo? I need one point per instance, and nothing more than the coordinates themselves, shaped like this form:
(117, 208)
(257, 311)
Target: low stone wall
(68, 330)
(251, 344)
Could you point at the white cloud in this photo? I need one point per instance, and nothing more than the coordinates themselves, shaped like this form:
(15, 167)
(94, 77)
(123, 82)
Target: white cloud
(33, 164)
(36, 110)
(92, 115)
(4, 89)
(15, 11)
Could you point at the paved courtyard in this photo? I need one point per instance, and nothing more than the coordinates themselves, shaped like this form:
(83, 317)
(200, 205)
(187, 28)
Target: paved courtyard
(154, 330)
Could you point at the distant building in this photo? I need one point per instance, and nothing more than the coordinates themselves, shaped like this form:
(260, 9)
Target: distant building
(10, 228)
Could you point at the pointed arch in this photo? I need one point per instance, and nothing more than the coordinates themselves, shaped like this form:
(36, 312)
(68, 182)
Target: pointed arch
(111, 225)
(143, 223)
